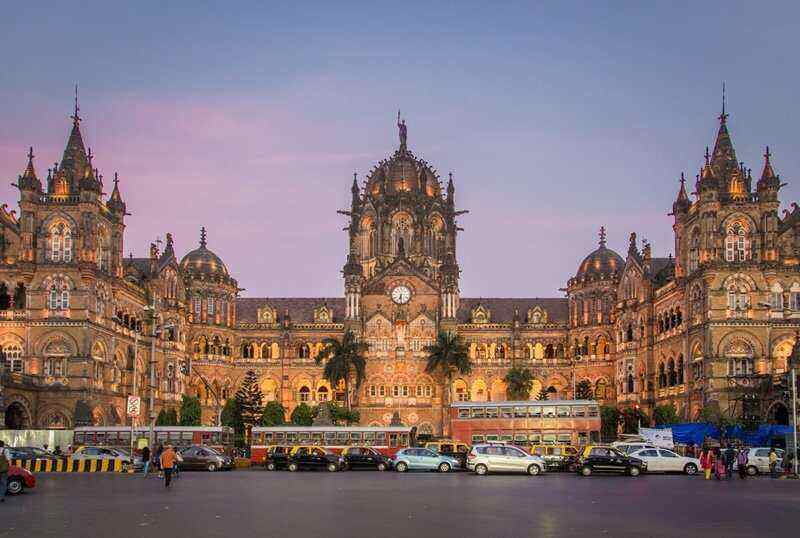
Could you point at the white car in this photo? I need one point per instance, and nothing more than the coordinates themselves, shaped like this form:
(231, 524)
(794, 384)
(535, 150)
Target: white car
(102, 453)
(758, 460)
(661, 460)
(629, 447)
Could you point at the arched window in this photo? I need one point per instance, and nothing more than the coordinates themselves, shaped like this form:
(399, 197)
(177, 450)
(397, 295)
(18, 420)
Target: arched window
(629, 333)
(304, 394)
(673, 376)
(13, 355)
(304, 351)
(600, 389)
(59, 296)
(737, 244)
(322, 394)
(662, 376)
(776, 297)
(266, 351)
(680, 367)
(548, 351)
(694, 251)
(60, 243)
(501, 351)
(247, 351)
(630, 387)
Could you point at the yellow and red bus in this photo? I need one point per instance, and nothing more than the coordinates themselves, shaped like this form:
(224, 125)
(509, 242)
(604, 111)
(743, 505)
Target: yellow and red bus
(385, 439)
(525, 423)
(219, 438)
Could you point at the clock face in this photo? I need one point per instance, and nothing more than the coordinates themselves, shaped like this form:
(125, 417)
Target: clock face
(401, 295)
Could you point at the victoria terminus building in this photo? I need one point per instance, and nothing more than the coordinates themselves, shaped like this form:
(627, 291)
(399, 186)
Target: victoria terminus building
(711, 326)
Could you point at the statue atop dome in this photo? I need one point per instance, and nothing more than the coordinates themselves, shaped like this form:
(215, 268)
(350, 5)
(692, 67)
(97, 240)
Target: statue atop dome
(401, 126)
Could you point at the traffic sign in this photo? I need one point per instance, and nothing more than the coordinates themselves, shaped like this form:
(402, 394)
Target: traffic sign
(134, 406)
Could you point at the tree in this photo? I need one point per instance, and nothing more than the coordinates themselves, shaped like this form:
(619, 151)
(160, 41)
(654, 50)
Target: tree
(665, 414)
(190, 411)
(162, 420)
(249, 400)
(344, 362)
(543, 395)
(632, 417)
(302, 415)
(446, 357)
(231, 415)
(339, 415)
(519, 382)
(609, 422)
(274, 414)
(583, 390)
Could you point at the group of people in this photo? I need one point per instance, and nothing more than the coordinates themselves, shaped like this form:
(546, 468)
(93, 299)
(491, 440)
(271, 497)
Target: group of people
(166, 459)
(719, 462)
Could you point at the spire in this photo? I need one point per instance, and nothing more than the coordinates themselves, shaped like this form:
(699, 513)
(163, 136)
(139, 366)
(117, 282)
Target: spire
(203, 237)
(681, 203)
(28, 179)
(76, 119)
(602, 235)
(768, 172)
(75, 162)
(769, 179)
(115, 202)
(723, 158)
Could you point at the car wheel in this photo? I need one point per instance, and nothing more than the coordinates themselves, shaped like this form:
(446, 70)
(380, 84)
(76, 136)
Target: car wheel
(690, 469)
(212, 467)
(634, 471)
(271, 466)
(481, 470)
(381, 466)
(534, 469)
(752, 470)
(586, 470)
(402, 467)
(15, 486)
(444, 467)
(292, 467)
(332, 467)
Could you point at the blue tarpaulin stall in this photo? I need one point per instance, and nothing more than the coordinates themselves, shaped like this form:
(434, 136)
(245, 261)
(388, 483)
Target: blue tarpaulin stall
(696, 433)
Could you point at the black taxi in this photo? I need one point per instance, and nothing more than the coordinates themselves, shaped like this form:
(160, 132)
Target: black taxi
(607, 459)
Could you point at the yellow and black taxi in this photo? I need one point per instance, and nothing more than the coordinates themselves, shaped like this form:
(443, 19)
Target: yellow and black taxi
(277, 457)
(364, 457)
(607, 459)
(557, 457)
(451, 448)
(313, 458)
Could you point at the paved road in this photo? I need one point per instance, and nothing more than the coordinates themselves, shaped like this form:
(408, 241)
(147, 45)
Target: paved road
(354, 504)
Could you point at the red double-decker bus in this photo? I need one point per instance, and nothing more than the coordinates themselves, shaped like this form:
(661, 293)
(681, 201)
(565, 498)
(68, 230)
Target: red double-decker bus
(563, 422)
(387, 440)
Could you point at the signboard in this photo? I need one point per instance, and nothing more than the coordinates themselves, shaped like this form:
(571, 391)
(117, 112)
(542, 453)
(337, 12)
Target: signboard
(658, 437)
(134, 406)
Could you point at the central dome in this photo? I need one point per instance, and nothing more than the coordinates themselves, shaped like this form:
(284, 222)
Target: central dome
(403, 172)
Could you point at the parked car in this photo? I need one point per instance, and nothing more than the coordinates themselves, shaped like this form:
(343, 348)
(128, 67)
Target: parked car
(19, 479)
(103, 453)
(666, 461)
(501, 458)
(314, 457)
(409, 459)
(451, 448)
(557, 457)
(277, 457)
(758, 460)
(627, 447)
(364, 457)
(199, 457)
(607, 459)
(30, 453)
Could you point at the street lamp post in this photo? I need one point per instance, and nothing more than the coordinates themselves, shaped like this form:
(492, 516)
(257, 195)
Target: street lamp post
(134, 392)
(793, 378)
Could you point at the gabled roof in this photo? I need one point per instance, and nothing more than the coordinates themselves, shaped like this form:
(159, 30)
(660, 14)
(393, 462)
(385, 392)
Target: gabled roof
(300, 309)
(502, 309)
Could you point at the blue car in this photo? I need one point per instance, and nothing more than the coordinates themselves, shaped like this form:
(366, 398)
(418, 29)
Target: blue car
(410, 459)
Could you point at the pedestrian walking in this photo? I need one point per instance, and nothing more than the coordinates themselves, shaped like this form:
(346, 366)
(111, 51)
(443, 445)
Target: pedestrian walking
(741, 463)
(58, 451)
(176, 470)
(773, 463)
(4, 466)
(730, 458)
(719, 464)
(167, 464)
(707, 462)
(44, 447)
(146, 460)
(157, 459)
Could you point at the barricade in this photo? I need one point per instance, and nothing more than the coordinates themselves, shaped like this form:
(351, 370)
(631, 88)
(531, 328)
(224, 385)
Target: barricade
(69, 465)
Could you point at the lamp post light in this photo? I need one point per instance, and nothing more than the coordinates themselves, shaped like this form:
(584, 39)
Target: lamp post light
(156, 330)
(794, 361)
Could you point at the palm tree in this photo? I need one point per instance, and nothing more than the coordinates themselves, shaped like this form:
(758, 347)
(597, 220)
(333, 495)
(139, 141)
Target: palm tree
(447, 356)
(343, 361)
(519, 382)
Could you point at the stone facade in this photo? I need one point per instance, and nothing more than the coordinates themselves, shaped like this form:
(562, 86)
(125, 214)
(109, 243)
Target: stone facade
(77, 318)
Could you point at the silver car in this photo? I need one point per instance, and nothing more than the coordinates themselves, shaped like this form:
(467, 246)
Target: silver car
(502, 458)
(758, 460)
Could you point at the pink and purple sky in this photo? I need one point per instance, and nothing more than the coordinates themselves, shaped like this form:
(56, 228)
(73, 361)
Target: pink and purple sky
(249, 118)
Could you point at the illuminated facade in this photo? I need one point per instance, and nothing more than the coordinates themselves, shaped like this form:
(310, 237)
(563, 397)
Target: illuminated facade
(704, 328)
